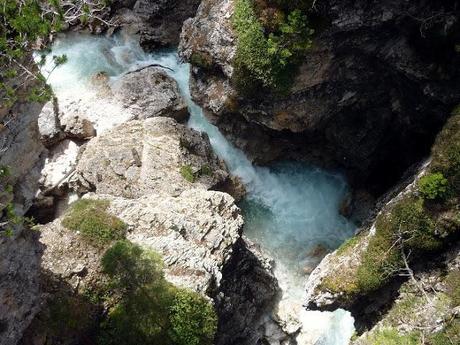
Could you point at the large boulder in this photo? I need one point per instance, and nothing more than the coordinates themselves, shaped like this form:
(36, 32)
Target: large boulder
(150, 92)
(156, 155)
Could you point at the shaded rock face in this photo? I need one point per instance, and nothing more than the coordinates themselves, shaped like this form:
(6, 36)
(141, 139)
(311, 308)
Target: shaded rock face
(248, 292)
(19, 284)
(370, 95)
(69, 268)
(158, 22)
(22, 152)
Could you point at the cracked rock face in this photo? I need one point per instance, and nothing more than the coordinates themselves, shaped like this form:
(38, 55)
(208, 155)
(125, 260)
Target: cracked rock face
(150, 92)
(374, 88)
(195, 232)
(141, 157)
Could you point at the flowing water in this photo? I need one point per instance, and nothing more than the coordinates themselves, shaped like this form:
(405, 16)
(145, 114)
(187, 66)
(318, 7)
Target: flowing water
(291, 209)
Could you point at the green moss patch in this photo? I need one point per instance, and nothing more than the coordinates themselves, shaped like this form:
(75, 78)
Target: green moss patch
(91, 219)
(187, 173)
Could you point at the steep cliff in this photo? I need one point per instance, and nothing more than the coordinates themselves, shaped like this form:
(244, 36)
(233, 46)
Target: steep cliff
(374, 87)
(410, 252)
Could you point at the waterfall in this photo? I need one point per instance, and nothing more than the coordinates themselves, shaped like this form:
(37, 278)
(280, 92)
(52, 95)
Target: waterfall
(291, 209)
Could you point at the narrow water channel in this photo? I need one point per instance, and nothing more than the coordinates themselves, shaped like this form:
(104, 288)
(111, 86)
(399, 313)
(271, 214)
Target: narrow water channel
(291, 210)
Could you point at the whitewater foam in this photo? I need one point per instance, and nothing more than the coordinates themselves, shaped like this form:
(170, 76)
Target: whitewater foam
(291, 209)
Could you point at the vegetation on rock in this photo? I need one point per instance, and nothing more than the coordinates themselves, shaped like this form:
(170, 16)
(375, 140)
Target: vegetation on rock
(193, 319)
(25, 26)
(91, 219)
(421, 222)
(433, 186)
(149, 310)
(187, 172)
(271, 38)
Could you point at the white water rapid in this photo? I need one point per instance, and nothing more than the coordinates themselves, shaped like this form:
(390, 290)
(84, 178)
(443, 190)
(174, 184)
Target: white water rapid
(291, 209)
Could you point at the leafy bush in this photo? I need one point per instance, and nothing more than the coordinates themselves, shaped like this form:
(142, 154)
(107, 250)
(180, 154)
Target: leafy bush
(193, 319)
(23, 24)
(95, 224)
(265, 62)
(433, 186)
(151, 311)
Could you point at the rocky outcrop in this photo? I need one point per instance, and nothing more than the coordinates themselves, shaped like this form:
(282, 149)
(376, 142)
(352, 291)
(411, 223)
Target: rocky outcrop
(372, 90)
(156, 175)
(158, 22)
(150, 92)
(150, 156)
(21, 158)
(248, 293)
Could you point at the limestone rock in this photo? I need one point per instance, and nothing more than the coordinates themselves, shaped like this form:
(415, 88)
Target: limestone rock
(142, 157)
(77, 126)
(150, 92)
(209, 38)
(61, 161)
(195, 232)
(49, 125)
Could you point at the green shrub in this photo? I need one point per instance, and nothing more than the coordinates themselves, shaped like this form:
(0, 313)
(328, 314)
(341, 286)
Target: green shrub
(95, 224)
(142, 314)
(193, 319)
(151, 311)
(130, 267)
(433, 186)
(263, 61)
